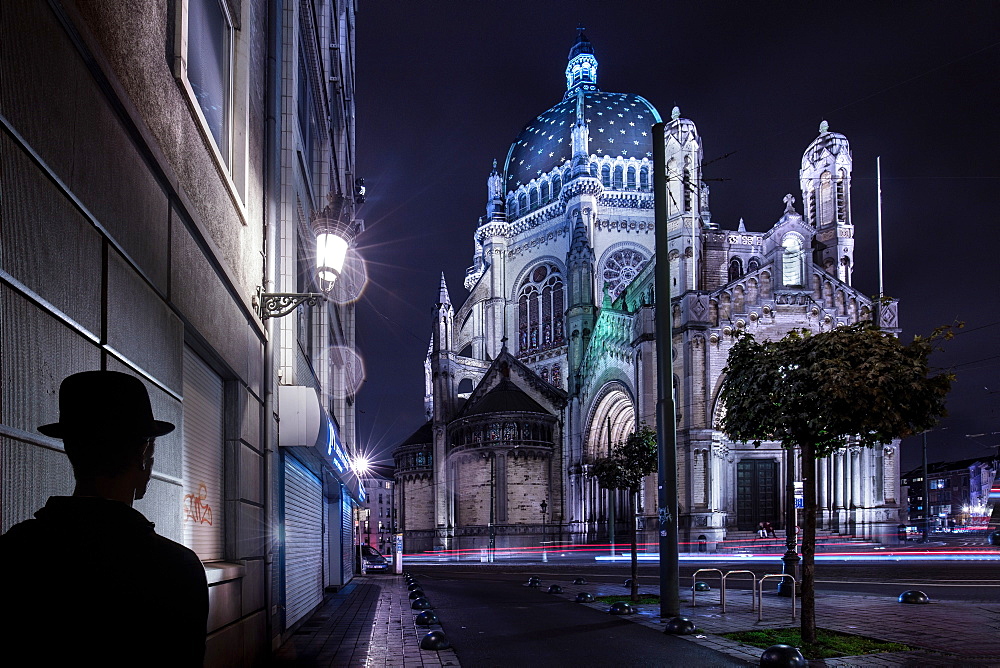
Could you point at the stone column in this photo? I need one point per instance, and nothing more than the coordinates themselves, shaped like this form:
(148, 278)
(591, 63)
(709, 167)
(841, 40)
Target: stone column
(838, 480)
(822, 489)
(856, 501)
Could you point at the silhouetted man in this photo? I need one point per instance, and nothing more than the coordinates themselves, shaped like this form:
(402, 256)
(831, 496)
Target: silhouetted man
(88, 582)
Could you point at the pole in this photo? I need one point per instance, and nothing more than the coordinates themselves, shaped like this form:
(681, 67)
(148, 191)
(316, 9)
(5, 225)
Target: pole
(666, 420)
(493, 526)
(878, 170)
(611, 501)
(927, 496)
(790, 560)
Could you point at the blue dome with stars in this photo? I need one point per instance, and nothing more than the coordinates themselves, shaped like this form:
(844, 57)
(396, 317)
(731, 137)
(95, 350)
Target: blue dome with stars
(619, 124)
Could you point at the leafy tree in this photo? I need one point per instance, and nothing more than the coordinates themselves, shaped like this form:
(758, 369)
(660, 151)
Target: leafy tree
(853, 385)
(629, 463)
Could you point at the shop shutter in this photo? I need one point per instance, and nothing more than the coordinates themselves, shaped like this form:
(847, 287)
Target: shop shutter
(303, 541)
(347, 548)
(202, 470)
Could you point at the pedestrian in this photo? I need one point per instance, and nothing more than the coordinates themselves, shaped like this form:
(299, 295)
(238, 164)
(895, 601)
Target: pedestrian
(88, 581)
(761, 531)
(769, 530)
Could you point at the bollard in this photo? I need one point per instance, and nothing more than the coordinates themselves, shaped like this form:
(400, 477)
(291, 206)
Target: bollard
(426, 618)
(413, 587)
(584, 597)
(628, 582)
(680, 626)
(534, 582)
(701, 586)
(555, 589)
(417, 593)
(580, 581)
(435, 641)
(421, 604)
(621, 608)
(914, 596)
(782, 656)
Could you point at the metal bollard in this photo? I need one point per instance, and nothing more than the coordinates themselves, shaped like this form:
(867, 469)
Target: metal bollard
(753, 587)
(760, 593)
(694, 578)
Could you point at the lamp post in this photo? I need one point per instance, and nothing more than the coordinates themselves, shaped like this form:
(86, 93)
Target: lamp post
(545, 555)
(335, 231)
(790, 560)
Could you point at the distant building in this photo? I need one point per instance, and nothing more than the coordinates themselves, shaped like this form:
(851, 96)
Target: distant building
(958, 493)
(379, 526)
(550, 357)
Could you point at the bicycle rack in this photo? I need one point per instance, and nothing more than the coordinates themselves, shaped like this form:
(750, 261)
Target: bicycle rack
(753, 587)
(760, 593)
(694, 578)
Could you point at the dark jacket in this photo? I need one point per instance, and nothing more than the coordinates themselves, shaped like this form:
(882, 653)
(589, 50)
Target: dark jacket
(88, 582)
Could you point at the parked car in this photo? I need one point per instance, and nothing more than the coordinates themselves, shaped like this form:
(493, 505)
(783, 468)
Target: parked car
(375, 561)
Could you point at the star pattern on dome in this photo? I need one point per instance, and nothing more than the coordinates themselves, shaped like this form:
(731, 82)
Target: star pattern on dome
(546, 142)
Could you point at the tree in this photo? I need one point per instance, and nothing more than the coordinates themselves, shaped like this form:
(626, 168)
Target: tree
(852, 385)
(629, 463)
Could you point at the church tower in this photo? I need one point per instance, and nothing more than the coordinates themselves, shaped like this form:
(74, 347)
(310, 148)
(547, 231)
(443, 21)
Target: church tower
(825, 178)
(684, 202)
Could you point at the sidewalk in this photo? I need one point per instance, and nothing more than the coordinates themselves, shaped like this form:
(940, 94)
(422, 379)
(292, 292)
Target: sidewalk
(942, 633)
(369, 624)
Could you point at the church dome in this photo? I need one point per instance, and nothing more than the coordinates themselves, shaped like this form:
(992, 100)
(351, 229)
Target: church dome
(619, 124)
(832, 143)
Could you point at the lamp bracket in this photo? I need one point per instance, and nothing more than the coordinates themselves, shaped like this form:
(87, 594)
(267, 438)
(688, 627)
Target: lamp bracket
(280, 304)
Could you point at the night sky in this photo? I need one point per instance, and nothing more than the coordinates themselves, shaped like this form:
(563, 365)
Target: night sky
(443, 88)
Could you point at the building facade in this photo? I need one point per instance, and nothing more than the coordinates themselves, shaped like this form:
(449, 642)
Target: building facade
(551, 356)
(958, 494)
(378, 527)
(161, 166)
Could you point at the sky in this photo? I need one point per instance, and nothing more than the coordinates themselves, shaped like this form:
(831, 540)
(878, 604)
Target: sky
(444, 87)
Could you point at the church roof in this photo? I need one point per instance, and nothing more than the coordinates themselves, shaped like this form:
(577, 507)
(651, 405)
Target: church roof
(506, 397)
(619, 124)
(422, 436)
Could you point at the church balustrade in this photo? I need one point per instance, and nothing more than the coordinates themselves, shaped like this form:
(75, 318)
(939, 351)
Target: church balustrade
(414, 458)
(511, 431)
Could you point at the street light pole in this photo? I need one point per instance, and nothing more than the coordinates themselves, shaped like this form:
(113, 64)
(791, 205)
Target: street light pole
(545, 554)
(790, 560)
(927, 496)
(611, 501)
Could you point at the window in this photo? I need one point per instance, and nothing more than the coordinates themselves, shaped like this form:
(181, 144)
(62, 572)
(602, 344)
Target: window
(630, 178)
(620, 269)
(606, 176)
(214, 80)
(735, 269)
(792, 261)
(540, 309)
(618, 185)
(644, 178)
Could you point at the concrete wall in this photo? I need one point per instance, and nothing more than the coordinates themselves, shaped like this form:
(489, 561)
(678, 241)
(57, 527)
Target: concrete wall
(121, 241)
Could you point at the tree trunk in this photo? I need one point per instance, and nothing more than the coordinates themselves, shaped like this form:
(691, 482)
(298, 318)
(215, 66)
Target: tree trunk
(635, 549)
(809, 543)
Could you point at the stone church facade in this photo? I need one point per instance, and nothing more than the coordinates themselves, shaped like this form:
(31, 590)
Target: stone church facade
(551, 356)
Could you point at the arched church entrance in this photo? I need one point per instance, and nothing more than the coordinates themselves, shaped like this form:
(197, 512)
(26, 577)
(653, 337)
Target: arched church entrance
(612, 420)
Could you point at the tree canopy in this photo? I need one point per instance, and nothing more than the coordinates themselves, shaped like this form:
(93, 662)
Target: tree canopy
(630, 462)
(854, 383)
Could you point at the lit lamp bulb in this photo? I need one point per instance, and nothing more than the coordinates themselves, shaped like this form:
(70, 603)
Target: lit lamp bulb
(331, 251)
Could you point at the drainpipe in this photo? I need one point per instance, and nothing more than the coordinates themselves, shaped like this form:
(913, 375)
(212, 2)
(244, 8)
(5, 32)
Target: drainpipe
(272, 181)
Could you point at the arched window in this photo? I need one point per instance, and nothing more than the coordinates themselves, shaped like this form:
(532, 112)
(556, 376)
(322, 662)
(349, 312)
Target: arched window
(618, 184)
(689, 186)
(606, 176)
(512, 207)
(557, 375)
(644, 179)
(556, 186)
(545, 192)
(842, 196)
(826, 204)
(534, 198)
(735, 269)
(630, 178)
(593, 169)
(545, 373)
(753, 265)
(522, 204)
(792, 261)
(540, 306)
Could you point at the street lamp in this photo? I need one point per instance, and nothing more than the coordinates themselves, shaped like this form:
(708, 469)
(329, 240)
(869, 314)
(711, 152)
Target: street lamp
(335, 230)
(545, 554)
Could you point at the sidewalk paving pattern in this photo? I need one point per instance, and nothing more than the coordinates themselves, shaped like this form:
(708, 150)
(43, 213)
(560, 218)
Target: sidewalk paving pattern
(370, 624)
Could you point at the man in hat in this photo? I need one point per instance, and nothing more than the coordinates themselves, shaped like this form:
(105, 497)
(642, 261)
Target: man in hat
(88, 581)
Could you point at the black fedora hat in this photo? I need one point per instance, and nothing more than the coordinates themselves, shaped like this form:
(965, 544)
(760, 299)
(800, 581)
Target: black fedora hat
(105, 403)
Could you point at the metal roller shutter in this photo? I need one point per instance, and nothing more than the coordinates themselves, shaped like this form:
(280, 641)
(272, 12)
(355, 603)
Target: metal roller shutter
(347, 548)
(203, 449)
(303, 541)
